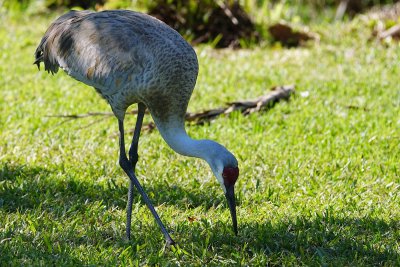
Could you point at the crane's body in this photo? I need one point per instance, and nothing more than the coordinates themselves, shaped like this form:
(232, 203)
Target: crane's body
(130, 57)
(118, 53)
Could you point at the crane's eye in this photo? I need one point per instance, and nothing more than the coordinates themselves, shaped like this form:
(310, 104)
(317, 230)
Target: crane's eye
(230, 175)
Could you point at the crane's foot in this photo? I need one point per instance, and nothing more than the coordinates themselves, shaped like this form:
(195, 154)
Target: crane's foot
(170, 242)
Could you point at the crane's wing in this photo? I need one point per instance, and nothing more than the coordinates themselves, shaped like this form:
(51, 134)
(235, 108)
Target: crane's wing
(106, 50)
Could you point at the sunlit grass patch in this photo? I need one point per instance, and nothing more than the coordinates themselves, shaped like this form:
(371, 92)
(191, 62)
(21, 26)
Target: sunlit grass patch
(319, 181)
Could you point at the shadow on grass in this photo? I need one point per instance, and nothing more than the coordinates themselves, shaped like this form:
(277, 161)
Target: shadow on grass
(330, 240)
(311, 242)
(24, 187)
(323, 239)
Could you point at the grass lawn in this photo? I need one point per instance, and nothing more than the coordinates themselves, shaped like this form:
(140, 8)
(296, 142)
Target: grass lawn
(320, 175)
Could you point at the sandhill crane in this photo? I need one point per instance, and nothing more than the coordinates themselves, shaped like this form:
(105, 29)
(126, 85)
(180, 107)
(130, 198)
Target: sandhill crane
(130, 57)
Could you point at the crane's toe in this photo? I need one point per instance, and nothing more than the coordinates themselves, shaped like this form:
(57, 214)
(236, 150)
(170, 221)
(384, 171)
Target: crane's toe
(170, 242)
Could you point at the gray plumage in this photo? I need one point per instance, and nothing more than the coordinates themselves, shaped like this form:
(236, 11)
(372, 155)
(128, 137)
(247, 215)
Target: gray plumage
(130, 57)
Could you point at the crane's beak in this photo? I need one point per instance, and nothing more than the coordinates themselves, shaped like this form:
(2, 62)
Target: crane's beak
(230, 197)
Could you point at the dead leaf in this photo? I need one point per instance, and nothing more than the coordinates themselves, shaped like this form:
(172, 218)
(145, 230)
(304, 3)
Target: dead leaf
(287, 36)
(192, 219)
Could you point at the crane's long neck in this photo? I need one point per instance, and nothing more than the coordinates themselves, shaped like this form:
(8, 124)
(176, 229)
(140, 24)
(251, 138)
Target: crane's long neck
(176, 137)
(216, 155)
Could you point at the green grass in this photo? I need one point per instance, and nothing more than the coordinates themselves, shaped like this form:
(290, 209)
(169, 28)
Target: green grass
(320, 175)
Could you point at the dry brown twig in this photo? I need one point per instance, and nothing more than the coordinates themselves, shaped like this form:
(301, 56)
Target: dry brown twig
(246, 107)
(392, 32)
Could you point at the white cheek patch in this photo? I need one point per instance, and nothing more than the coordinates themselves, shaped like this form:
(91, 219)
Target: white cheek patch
(221, 182)
(217, 170)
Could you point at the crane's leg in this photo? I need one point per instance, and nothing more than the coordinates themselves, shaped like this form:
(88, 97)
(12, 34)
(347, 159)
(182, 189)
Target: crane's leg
(126, 165)
(133, 158)
(133, 151)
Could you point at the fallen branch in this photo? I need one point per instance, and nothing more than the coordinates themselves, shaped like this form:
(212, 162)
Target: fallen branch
(393, 32)
(79, 116)
(244, 106)
(90, 114)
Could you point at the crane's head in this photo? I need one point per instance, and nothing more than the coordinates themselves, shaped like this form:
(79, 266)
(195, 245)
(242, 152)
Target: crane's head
(225, 168)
